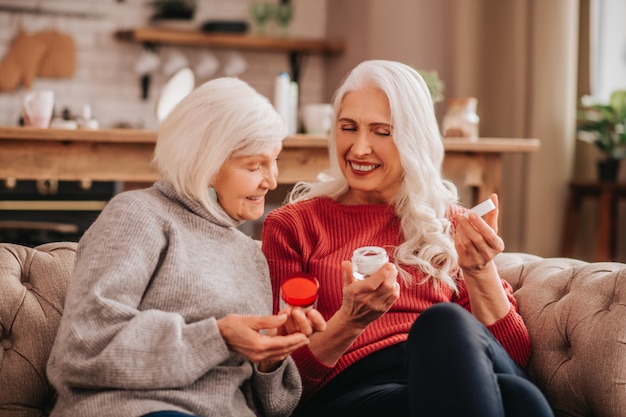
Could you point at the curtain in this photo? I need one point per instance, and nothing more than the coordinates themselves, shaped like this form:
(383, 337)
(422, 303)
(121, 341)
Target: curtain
(518, 57)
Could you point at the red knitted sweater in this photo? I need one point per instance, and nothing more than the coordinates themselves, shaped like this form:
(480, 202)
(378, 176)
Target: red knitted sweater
(316, 235)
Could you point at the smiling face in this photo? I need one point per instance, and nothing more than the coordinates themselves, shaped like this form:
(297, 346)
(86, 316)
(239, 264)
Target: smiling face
(366, 152)
(242, 183)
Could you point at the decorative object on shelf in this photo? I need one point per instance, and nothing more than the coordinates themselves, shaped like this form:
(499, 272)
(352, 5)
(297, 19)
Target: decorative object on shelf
(37, 108)
(317, 118)
(461, 119)
(224, 26)
(286, 100)
(261, 12)
(174, 14)
(173, 9)
(283, 13)
(86, 121)
(434, 83)
(604, 126)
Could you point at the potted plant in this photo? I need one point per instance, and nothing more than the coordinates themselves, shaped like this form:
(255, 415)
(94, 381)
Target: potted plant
(604, 126)
(434, 83)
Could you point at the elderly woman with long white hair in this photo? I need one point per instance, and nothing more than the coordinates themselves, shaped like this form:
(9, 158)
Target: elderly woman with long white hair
(432, 332)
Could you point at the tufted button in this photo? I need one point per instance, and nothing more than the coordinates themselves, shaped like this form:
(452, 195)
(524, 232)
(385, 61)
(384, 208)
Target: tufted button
(6, 344)
(27, 285)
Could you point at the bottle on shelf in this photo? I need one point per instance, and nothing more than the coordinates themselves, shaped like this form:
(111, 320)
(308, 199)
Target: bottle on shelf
(87, 121)
(461, 119)
(286, 101)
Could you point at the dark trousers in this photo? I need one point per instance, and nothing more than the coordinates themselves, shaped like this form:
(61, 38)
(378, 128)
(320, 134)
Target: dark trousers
(450, 366)
(168, 414)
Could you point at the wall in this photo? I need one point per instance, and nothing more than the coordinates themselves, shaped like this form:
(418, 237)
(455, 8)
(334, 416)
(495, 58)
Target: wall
(403, 30)
(105, 76)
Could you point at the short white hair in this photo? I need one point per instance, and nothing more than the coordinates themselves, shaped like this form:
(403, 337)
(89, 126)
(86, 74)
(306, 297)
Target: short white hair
(220, 119)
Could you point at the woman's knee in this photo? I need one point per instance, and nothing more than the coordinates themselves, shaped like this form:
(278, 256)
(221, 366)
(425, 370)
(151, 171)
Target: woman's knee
(442, 315)
(447, 326)
(522, 398)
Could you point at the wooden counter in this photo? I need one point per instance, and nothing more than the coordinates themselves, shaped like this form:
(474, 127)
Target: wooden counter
(125, 155)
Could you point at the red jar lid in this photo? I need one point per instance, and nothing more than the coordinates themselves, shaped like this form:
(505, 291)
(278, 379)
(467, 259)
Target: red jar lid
(300, 290)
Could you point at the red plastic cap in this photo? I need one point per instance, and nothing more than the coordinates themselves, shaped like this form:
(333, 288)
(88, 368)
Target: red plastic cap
(300, 290)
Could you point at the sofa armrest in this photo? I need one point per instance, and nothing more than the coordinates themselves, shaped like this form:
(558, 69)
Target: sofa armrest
(33, 284)
(576, 316)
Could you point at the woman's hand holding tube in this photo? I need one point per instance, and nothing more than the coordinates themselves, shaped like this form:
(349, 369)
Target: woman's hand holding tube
(477, 243)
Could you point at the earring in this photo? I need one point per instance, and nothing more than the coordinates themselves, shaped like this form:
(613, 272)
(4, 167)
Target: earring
(212, 194)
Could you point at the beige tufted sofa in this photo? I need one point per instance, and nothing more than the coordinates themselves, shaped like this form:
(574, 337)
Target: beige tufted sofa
(33, 283)
(575, 312)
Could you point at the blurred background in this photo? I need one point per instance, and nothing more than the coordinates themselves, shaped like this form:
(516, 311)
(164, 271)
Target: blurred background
(527, 62)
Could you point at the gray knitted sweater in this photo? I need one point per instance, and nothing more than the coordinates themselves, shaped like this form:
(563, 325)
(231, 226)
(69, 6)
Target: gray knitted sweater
(139, 332)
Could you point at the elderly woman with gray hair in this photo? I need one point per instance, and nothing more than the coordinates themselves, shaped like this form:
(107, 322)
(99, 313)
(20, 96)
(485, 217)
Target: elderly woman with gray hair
(169, 310)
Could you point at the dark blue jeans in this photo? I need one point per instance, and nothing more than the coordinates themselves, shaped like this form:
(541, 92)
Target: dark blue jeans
(450, 366)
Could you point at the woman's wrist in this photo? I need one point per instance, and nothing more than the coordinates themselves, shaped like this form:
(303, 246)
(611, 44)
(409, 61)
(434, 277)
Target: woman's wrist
(268, 366)
(479, 272)
(348, 324)
(328, 346)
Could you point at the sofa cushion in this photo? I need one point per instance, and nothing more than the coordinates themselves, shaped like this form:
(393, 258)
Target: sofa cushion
(576, 316)
(33, 283)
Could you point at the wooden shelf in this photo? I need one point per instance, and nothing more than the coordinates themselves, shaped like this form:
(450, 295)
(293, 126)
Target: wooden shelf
(295, 47)
(126, 155)
(491, 144)
(221, 40)
(483, 145)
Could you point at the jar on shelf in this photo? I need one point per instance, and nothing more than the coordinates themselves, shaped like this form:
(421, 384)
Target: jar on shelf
(461, 119)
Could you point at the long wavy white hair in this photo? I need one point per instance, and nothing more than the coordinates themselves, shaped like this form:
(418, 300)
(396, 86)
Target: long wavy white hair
(425, 195)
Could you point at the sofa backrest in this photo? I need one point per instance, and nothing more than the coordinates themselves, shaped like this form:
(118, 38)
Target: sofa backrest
(575, 313)
(33, 284)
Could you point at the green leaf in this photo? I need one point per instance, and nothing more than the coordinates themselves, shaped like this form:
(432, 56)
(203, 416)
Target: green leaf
(606, 123)
(434, 83)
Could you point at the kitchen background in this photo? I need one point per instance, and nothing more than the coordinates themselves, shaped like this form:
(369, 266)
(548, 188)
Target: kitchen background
(526, 61)
(105, 76)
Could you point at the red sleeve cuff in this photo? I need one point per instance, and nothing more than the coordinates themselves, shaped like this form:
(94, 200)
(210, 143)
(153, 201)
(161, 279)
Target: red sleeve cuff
(512, 334)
